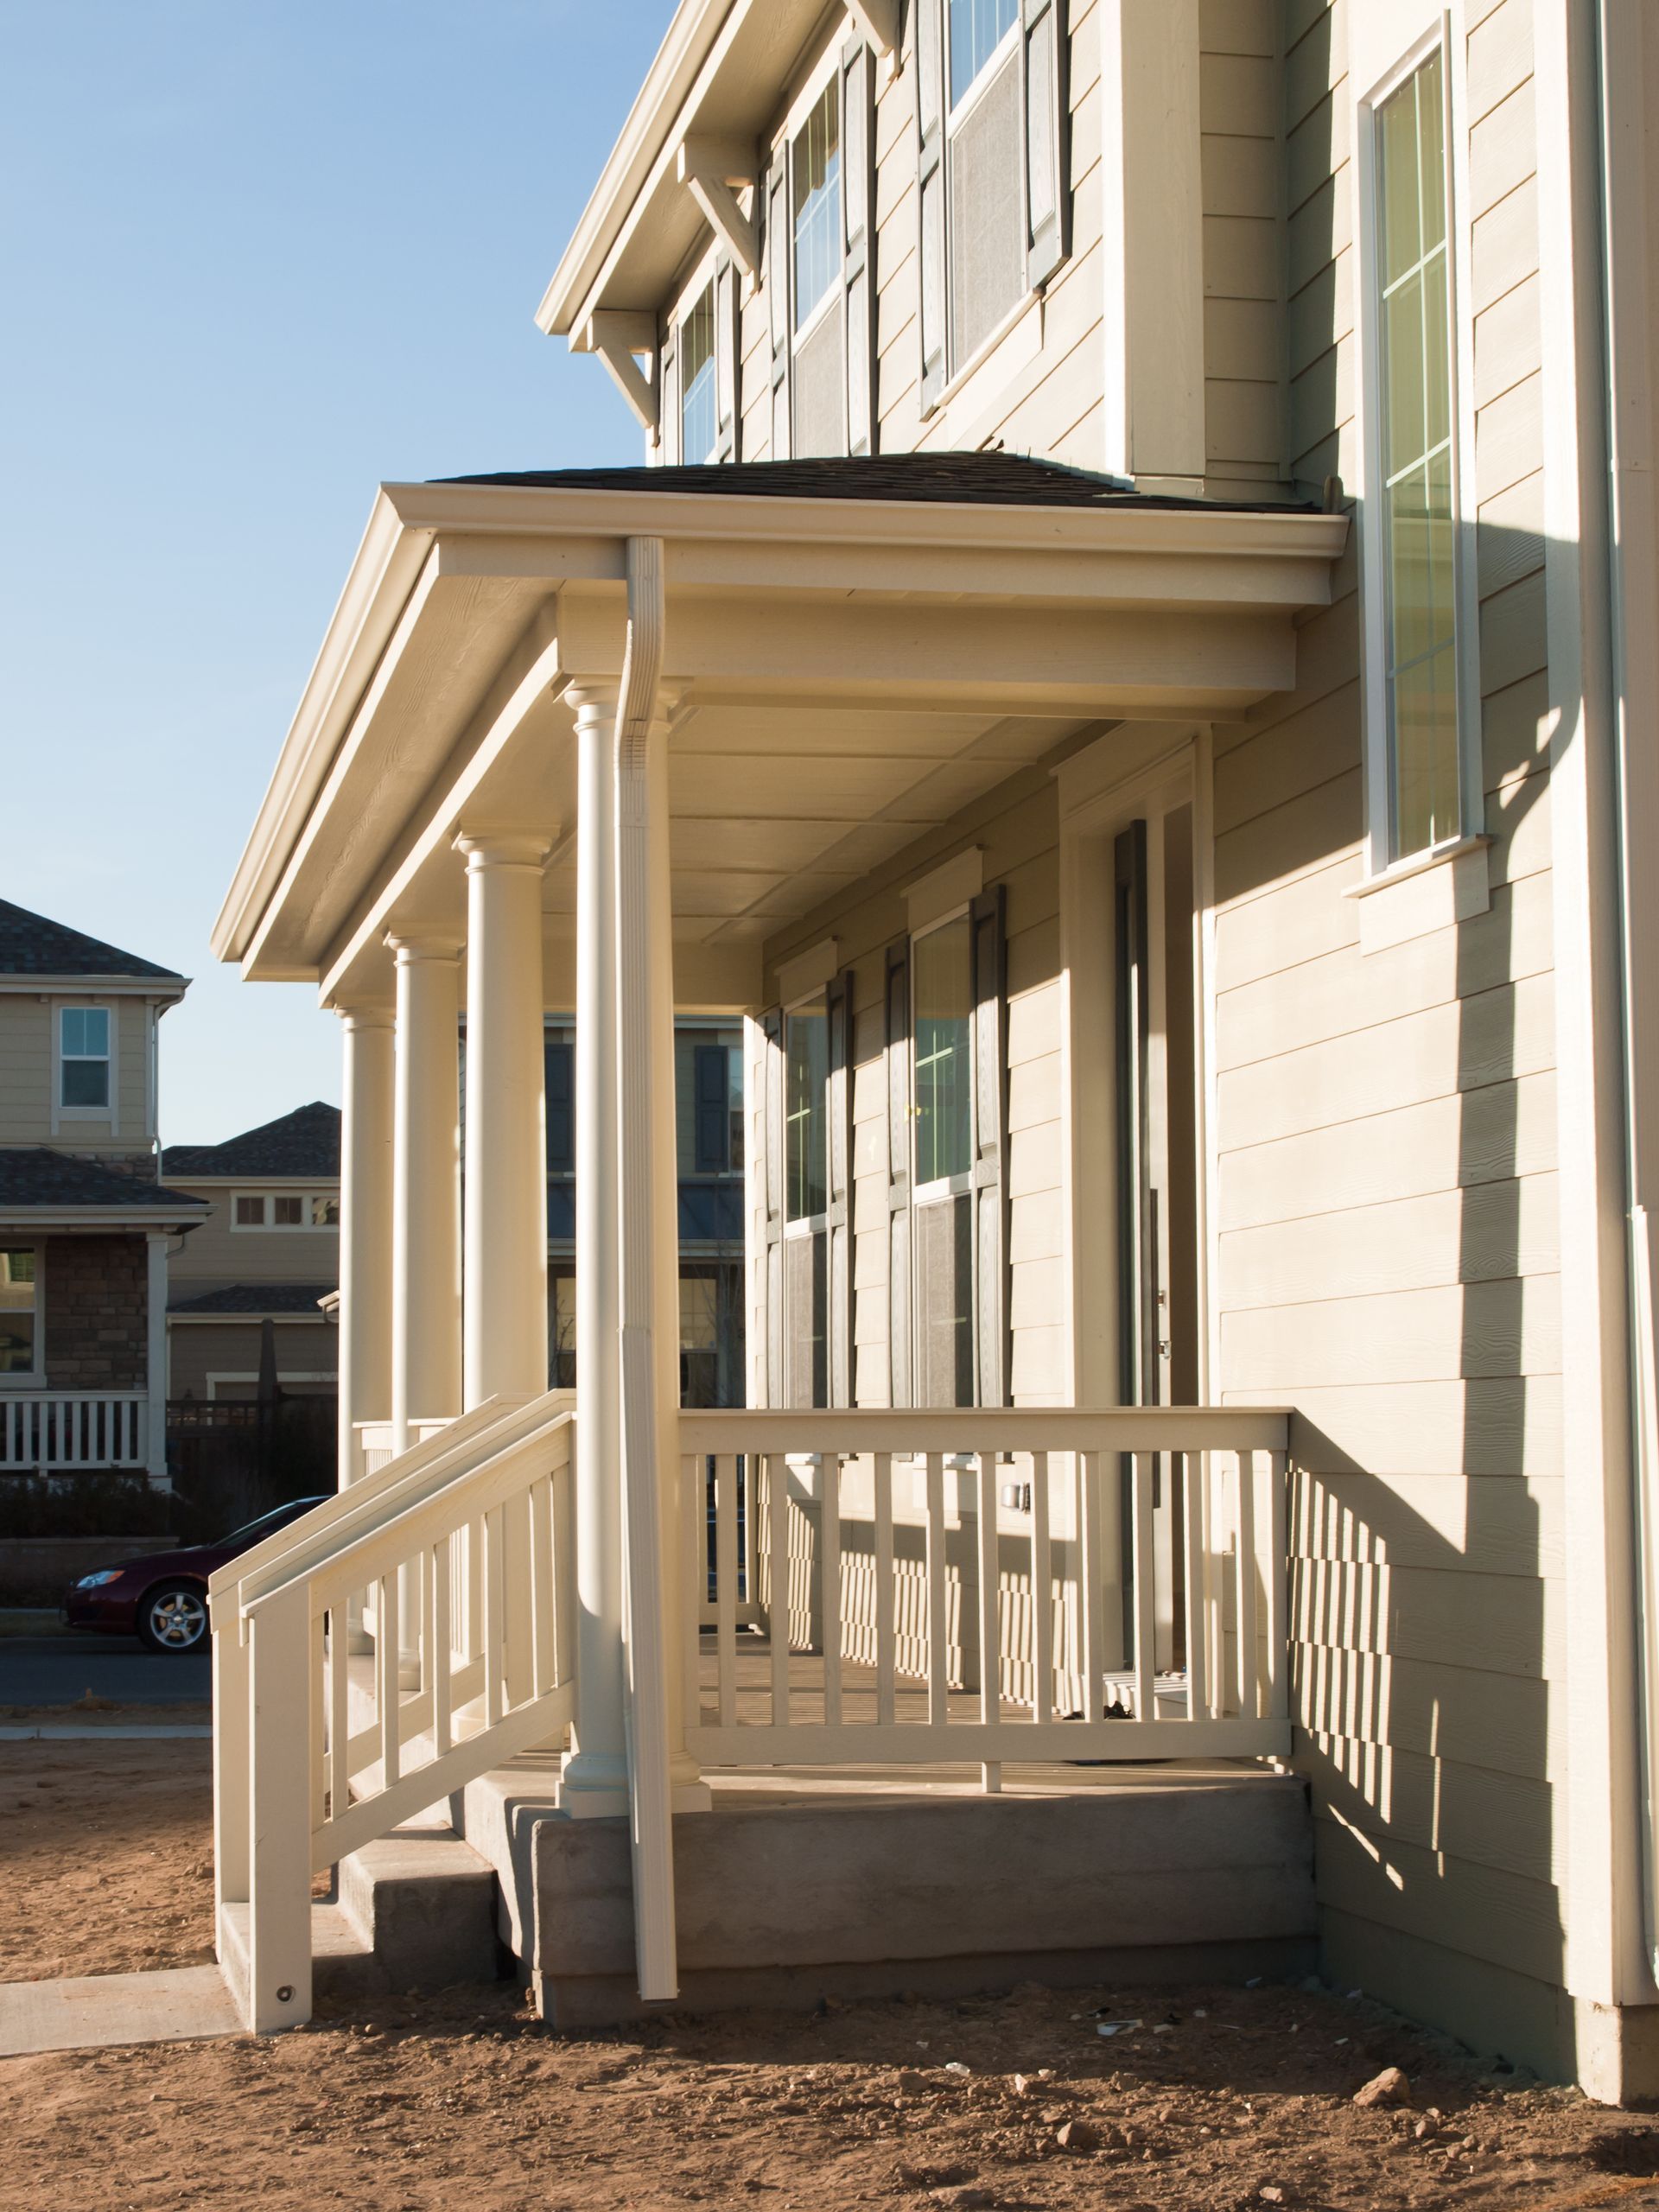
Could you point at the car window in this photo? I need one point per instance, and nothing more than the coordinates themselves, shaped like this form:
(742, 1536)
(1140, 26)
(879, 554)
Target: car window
(267, 1523)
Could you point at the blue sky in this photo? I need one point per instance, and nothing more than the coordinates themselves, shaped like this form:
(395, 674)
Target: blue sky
(256, 256)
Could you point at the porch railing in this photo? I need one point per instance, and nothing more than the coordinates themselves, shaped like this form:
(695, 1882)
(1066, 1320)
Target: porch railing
(986, 1585)
(461, 1550)
(53, 1432)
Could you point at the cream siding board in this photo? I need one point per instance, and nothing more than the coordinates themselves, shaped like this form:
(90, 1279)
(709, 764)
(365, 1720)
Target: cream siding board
(1387, 1223)
(1240, 108)
(25, 1071)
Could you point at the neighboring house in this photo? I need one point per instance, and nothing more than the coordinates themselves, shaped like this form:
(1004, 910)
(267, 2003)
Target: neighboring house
(1119, 671)
(86, 1230)
(269, 1251)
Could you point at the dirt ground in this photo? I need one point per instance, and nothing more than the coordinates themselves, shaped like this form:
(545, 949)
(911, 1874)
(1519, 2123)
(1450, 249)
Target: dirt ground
(1220, 2099)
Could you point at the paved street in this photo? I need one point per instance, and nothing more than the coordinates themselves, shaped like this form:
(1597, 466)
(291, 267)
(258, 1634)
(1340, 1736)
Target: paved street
(59, 1669)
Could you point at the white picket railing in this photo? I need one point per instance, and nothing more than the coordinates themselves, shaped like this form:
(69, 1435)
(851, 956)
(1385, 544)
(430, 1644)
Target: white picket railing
(986, 1585)
(461, 1549)
(53, 1432)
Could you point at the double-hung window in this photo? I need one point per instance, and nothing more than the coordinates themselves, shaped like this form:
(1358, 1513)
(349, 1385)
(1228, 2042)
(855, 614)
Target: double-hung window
(806, 1203)
(699, 407)
(991, 114)
(84, 1057)
(20, 1320)
(942, 985)
(1417, 791)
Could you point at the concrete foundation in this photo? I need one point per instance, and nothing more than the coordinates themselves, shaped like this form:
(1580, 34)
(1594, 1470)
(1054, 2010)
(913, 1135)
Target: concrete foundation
(783, 1899)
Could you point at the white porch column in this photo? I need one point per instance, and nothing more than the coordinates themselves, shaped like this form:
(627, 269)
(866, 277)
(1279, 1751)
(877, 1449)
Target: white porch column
(505, 1273)
(426, 1187)
(365, 1212)
(156, 1359)
(594, 1781)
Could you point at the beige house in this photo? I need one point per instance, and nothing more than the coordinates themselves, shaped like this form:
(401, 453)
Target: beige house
(269, 1251)
(87, 1228)
(1116, 669)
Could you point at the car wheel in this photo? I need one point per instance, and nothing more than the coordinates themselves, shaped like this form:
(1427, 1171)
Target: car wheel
(173, 1616)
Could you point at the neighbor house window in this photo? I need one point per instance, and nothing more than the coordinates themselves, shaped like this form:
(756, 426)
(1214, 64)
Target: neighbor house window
(1417, 512)
(942, 981)
(717, 1109)
(699, 410)
(284, 1210)
(19, 1310)
(84, 1056)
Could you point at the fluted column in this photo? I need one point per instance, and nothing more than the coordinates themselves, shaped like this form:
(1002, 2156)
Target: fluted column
(426, 1372)
(594, 1781)
(365, 1210)
(505, 1275)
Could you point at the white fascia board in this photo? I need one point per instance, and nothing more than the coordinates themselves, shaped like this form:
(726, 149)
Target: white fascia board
(101, 987)
(176, 1320)
(51, 1221)
(382, 575)
(188, 1182)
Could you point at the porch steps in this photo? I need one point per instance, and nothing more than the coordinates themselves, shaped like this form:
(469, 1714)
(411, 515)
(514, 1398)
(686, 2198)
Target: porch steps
(415, 1911)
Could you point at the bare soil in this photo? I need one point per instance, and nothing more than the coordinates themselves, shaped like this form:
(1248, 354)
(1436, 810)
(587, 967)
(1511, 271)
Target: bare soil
(1221, 2100)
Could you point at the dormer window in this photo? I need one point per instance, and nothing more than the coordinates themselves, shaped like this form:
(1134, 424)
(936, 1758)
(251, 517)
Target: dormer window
(84, 1057)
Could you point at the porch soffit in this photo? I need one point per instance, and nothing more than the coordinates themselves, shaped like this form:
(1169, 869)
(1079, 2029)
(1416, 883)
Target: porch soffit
(846, 680)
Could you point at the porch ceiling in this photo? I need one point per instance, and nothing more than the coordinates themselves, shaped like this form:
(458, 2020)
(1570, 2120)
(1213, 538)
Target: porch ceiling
(849, 673)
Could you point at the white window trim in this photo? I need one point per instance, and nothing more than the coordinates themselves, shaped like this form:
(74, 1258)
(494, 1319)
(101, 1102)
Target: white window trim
(109, 1114)
(942, 1186)
(31, 1378)
(1443, 33)
(826, 72)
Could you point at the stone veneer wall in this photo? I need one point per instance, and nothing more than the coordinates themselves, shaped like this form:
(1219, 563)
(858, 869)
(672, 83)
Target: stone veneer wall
(95, 1316)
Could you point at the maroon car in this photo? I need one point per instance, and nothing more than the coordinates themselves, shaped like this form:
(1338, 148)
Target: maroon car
(162, 1598)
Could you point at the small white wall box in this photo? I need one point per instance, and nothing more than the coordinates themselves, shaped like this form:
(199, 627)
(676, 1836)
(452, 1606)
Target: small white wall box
(1017, 1496)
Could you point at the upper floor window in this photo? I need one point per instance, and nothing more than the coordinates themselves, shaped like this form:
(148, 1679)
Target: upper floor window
(717, 1109)
(699, 409)
(284, 1210)
(1414, 518)
(19, 1311)
(991, 112)
(816, 158)
(977, 29)
(84, 1056)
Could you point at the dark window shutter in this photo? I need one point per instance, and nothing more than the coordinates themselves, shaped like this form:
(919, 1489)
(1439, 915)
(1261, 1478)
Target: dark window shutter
(1043, 45)
(839, 1213)
(727, 354)
(990, 1147)
(558, 1066)
(711, 1148)
(669, 385)
(897, 1046)
(777, 288)
(858, 262)
(772, 1025)
(931, 185)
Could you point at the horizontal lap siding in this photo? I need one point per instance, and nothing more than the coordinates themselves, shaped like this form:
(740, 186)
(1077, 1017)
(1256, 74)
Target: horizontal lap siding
(1240, 107)
(25, 1071)
(1388, 1232)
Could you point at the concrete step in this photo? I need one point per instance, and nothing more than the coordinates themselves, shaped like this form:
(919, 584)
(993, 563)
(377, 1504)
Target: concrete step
(415, 1911)
(783, 1901)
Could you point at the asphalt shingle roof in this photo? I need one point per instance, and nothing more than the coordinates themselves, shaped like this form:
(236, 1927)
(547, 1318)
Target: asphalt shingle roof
(30, 945)
(996, 480)
(257, 1299)
(35, 1176)
(304, 1143)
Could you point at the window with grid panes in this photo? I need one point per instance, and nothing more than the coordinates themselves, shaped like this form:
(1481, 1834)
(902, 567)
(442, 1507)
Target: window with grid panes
(1418, 509)
(699, 409)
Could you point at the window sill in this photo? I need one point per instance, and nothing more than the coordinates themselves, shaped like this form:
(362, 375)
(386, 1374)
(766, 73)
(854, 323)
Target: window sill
(1429, 891)
(1031, 304)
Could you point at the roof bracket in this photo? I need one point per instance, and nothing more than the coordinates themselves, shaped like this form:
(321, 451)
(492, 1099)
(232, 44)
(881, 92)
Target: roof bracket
(880, 21)
(617, 338)
(710, 168)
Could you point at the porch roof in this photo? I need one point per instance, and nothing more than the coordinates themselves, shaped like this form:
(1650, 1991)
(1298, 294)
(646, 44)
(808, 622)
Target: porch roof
(858, 649)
